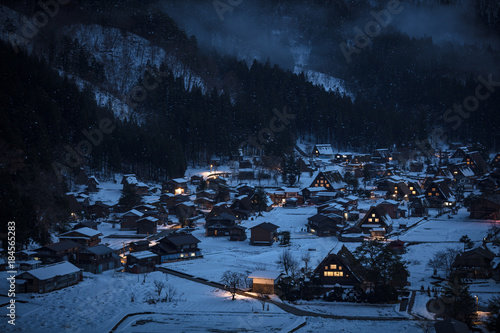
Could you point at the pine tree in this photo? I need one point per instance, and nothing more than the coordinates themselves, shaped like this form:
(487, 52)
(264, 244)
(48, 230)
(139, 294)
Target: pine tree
(129, 198)
(290, 171)
(460, 304)
(259, 200)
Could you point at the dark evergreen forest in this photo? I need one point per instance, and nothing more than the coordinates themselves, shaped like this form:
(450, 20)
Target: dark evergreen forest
(402, 89)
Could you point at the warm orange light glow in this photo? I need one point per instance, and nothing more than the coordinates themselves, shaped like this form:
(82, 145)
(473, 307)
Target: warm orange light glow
(179, 191)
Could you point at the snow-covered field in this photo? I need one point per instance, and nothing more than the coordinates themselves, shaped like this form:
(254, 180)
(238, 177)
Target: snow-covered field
(100, 302)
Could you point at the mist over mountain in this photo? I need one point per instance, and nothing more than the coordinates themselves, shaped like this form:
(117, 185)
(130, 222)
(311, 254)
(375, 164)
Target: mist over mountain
(308, 33)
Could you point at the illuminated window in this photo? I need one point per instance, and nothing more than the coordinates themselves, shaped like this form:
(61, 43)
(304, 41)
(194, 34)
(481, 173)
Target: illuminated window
(433, 189)
(333, 266)
(338, 273)
(376, 220)
(340, 268)
(437, 194)
(321, 181)
(373, 215)
(327, 185)
(316, 185)
(411, 188)
(329, 273)
(396, 191)
(413, 192)
(395, 187)
(370, 219)
(326, 267)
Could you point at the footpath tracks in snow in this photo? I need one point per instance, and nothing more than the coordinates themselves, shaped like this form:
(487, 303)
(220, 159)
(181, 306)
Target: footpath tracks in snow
(286, 307)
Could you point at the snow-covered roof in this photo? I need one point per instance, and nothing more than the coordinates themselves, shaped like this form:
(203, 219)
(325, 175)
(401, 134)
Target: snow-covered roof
(324, 149)
(267, 275)
(58, 269)
(143, 254)
(95, 179)
(146, 206)
(84, 231)
(315, 189)
(131, 179)
(179, 180)
(149, 218)
(28, 252)
(326, 194)
(134, 212)
(100, 249)
(186, 203)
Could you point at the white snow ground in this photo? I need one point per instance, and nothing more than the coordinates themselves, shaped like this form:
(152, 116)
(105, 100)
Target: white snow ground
(99, 302)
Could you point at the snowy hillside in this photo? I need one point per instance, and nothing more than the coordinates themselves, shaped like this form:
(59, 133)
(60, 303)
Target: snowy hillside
(125, 57)
(330, 83)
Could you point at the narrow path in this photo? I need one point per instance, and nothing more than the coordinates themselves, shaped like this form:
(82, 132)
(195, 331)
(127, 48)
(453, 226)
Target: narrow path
(285, 307)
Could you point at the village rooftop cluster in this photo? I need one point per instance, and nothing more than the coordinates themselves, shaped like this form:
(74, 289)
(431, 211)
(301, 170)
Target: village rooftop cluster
(350, 199)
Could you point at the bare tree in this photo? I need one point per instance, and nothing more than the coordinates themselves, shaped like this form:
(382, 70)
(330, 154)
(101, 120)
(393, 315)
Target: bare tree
(306, 258)
(144, 276)
(233, 280)
(288, 262)
(159, 285)
(170, 293)
(444, 260)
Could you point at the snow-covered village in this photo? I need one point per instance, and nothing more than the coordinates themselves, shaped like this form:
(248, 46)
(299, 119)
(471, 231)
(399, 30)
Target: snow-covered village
(338, 236)
(250, 166)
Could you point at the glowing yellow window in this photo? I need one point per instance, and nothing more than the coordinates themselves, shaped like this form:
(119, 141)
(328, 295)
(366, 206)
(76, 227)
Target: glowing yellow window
(338, 273)
(433, 189)
(370, 219)
(333, 266)
(327, 185)
(373, 215)
(411, 188)
(326, 267)
(429, 194)
(413, 192)
(376, 220)
(340, 268)
(328, 273)
(437, 194)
